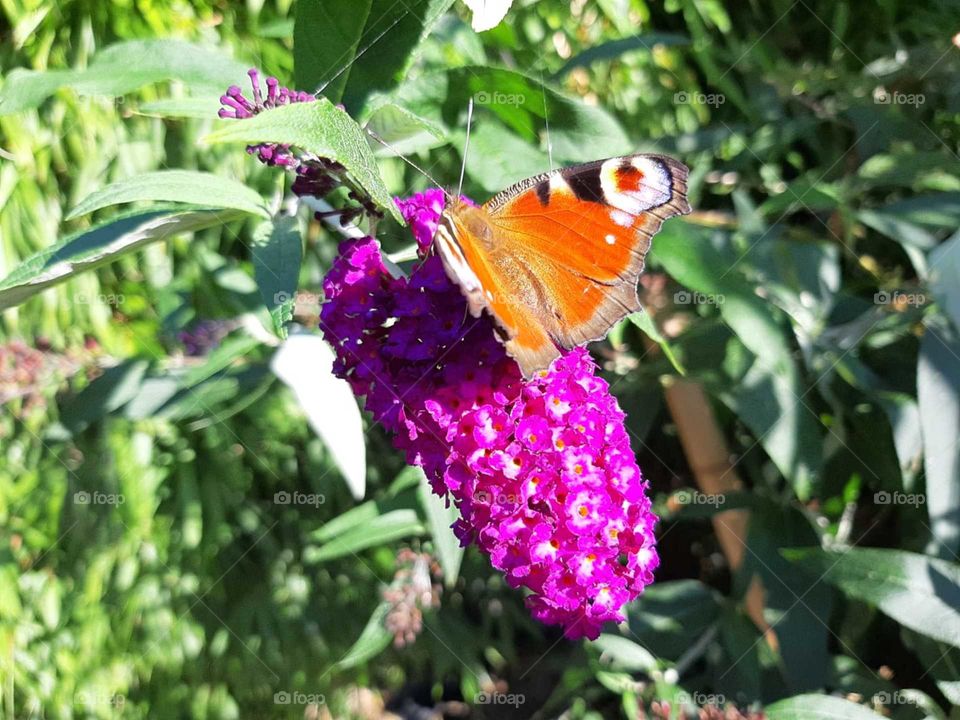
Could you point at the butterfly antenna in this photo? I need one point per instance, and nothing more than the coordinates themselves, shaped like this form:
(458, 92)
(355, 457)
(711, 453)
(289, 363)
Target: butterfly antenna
(546, 120)
(356, 57)
(466, 146)
(407, 160)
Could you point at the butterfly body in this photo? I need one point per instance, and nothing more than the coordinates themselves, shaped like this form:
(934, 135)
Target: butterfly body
(556, 258)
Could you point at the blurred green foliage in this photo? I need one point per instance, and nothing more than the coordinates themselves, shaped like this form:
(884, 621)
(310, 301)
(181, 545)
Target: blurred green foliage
(147, 568)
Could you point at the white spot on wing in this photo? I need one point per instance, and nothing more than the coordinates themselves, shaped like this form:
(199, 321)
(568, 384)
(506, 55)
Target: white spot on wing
(654, 188)
(621, 218)
(611, 239)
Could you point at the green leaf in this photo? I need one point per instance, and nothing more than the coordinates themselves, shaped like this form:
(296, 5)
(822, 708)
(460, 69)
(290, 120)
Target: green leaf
(405, 499)
(404, 131)
(179, 186)
(370, 43)
(936, 210)
(644, 321)
(671, 616)
(801, 627)
(806, 193)
(277, 251)
(109, 392)
(122, 68)
(232, 348)
(819, 707)
(372, 641)
(197, 107)
(326, 37)
(904, 232)
(615, 48)
(101, 244)
(319, 128)
(305, 363)
(578, 132)
(944, 271)
(625, 654)
(919, 592)
(499, 158)
(938, 398)
(787, 429)
(440, 518)
(26, 89)
(378, 531)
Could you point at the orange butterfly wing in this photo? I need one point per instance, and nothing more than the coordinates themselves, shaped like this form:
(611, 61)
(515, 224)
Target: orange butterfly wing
(556, 258)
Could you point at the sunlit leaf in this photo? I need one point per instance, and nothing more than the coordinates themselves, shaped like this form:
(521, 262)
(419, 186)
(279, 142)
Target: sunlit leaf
(372, 641)
(180, 186)
(380, 530)
(319, 128)
(919, 592)
(818, 707)
(101, 244)
(277, 250)
(305, 363)
(441, 514)
(122, 68)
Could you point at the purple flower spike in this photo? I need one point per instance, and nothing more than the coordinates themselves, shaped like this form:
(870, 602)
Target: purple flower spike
(541, 469)
(237, 106)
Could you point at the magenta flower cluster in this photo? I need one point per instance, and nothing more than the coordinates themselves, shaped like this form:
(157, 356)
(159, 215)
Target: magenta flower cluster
(541, 470)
